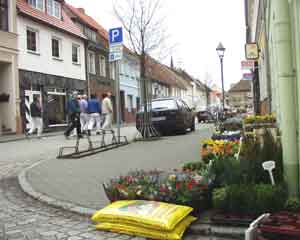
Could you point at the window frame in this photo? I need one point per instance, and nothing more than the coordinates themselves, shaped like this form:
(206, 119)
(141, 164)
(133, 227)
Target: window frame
(51, 4)
(78, 53)
(112, 71)
(59, 47)
(129, 103)
(5, 6)
(37, 51)
(94, 63)
(36, 5)
(102, 65)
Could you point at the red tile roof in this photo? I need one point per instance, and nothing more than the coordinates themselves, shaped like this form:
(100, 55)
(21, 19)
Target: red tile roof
(88, 20)
(161, 73)
(65, 24)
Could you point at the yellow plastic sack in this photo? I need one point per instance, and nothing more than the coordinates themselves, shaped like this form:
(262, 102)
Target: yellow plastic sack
(176, 234)
(148, 214)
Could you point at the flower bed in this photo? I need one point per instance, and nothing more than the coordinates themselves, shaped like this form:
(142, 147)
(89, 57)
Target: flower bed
(259, 119)
(177, 187)
(227, 136)
(214, 149)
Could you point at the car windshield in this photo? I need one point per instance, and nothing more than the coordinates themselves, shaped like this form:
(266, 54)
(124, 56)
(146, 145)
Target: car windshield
(164, 104)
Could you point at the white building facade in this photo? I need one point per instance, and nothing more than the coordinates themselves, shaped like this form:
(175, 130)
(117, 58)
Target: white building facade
(51, 59)
(129, 86)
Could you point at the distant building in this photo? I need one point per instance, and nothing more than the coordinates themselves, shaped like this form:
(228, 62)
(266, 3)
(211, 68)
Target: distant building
(129, 85)
(164, 81)
(240, 95)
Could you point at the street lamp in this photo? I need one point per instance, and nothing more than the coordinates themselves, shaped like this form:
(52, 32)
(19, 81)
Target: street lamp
(221, 50)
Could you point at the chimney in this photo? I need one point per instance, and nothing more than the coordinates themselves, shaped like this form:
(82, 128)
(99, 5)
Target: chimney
(81, 10)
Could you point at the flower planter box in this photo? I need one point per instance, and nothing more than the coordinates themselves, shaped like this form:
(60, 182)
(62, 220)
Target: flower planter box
(177, 187)
(283, 225)
(4, 97)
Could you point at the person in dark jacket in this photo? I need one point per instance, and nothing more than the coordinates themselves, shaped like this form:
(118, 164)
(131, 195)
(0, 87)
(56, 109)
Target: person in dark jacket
(74, 116)
(94, 109)
(36, 116)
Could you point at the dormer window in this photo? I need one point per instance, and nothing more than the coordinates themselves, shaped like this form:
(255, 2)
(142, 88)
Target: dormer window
(38, 4)
(54, 8)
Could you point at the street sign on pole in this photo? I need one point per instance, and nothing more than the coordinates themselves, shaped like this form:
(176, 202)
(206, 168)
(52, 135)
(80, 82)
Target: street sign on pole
(115, 36)
(115, 44)
(115, 55)
(247, 76)
(247, 65)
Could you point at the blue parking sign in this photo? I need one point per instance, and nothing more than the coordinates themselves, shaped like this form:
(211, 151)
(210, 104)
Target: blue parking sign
(115, 35)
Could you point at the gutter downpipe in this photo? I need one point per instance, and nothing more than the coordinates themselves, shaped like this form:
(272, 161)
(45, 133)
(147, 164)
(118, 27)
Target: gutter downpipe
(286, 79)
(269, 86)
(86, 44)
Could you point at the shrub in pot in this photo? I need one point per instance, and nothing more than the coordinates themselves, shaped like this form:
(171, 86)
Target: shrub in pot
(249, 199)
(293, 205)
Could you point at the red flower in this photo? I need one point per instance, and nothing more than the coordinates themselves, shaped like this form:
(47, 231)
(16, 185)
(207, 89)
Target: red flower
(178, 185)
(163, 189)
(190, 186)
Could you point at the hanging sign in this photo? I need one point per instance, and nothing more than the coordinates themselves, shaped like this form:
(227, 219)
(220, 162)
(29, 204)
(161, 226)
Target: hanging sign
(247, 65)
(251, 51)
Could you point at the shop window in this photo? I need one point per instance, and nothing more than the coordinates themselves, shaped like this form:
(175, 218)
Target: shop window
(56, 108)
(4, 15)
(32, 40)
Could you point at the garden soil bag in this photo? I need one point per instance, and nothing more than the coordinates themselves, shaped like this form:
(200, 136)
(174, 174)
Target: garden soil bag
(176, 234)
(148, 214)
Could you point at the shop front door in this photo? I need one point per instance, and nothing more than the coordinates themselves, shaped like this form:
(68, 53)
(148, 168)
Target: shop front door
(29, 96)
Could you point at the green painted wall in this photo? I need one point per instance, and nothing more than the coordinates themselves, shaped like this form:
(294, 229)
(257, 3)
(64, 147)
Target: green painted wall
(283, 61)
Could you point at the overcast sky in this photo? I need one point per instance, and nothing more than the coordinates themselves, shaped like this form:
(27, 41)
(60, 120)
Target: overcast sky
(196, 27)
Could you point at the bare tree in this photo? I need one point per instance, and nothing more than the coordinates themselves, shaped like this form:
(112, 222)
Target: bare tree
(143, 22)
(208, 81)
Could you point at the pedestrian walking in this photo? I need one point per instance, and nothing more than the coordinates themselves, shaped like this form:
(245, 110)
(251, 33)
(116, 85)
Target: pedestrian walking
(107, 111)
(36, 117)
(94, 109)
(84, 115)
(74, 116)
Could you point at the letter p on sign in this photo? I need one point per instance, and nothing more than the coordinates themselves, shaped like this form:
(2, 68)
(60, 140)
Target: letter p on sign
(115, 36)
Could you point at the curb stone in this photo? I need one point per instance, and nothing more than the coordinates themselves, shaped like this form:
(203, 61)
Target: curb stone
(27, 188)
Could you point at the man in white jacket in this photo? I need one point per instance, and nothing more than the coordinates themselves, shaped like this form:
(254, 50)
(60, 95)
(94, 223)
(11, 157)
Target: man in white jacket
(107, 111)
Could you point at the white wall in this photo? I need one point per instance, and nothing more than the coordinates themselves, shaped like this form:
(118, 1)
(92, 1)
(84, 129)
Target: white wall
(129, 78)
(44, 62)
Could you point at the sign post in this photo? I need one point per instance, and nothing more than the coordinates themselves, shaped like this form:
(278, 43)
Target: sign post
(115, 55)
(269, 166)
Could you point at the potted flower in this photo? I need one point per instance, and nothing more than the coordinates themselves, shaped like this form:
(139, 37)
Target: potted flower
(4, 97)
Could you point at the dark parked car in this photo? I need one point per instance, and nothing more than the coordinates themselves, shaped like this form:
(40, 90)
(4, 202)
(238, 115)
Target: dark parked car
(205, 116)
(169, 115)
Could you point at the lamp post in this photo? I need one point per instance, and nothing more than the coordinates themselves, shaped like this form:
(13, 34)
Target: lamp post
(221, 50)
